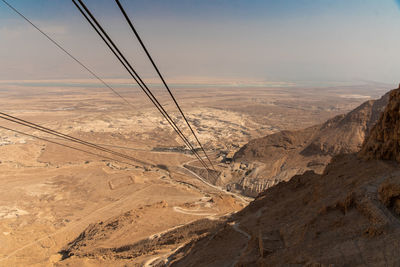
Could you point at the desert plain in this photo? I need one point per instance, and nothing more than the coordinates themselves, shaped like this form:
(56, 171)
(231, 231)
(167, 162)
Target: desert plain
(49, 194)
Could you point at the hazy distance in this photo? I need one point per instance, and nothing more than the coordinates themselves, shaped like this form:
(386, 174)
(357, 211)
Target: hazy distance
(210, 41)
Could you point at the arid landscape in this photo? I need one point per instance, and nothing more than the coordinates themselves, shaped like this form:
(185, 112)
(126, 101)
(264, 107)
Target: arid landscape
(346, 216)
(199, 133)
(63, 207)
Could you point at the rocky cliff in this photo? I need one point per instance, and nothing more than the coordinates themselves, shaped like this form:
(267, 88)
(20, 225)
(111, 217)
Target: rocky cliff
(265, 161)
(384, 139)
(347, 216)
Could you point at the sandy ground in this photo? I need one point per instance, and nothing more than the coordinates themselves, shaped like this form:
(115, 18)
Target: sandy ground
(50, 194)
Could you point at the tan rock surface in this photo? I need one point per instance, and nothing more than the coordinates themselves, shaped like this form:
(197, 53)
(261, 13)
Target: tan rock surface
(347, 216)
(279, 156)
(384, 140)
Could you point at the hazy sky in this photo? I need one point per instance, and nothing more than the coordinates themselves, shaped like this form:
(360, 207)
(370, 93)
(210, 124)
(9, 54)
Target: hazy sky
(254, 40)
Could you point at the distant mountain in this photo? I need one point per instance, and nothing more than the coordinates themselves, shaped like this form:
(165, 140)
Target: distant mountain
(265, 161)
(347, 216)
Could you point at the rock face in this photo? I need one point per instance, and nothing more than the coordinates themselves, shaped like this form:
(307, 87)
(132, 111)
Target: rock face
(280, 156)
(347, 216)
(384, 139)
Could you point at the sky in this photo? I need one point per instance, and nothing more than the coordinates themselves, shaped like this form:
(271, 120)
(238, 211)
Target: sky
(288, 41)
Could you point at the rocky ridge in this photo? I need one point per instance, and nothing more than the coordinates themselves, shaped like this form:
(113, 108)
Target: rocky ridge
(347, 216)
(384, 139)
(265, 161)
